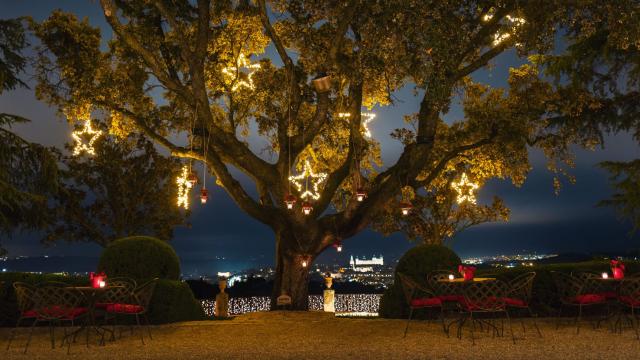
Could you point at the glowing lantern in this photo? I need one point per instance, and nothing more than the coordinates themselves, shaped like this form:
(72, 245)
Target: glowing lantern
(322, 83)
(98, 280)
(204, 196)
(306, 208)
(361, 195)
(192, 178)
(405, 208)
(451, 277)
(338, 246)
(605, 275)
(304, 263)
(289, 200)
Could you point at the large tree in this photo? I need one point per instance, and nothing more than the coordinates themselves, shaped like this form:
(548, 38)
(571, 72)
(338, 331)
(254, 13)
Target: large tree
(28, 171)
(182, 67)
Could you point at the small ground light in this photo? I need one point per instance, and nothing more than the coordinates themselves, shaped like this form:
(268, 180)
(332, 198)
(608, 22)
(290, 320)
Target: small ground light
(605, 275)
(451, 277)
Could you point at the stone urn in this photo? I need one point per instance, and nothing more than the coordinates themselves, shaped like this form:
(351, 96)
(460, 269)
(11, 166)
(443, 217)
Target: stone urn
(222, 299)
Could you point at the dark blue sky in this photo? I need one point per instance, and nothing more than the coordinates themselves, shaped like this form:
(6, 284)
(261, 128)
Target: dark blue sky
(541, 221)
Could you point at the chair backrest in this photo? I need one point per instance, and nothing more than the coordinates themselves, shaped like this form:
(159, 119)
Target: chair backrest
(53, 302)
(486, 295)
(142, 294)
(409, 286)
(440, 287)
(120, 291)
(521, 286)
(24, 296)
(568, 286)
(630, 288)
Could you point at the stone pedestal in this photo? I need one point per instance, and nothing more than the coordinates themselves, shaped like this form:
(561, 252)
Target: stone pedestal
(329, 300)
(222, 305)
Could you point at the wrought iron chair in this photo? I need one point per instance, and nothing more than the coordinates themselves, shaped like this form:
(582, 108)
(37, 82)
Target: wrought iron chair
(574, 294)
(119, 292)
(5, 313)
(593, 283)
(444, 290)
(519, 297)
(484, 298)
(630, 299)
(419, 297)
(24, 298)
(138, 307)
(56, 305)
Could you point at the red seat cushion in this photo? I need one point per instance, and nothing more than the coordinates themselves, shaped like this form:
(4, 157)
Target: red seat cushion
(56, 311)
(451, 298)
(29, 314)
(514, 302)
(124, 308)
(586, 299)
(102, 305)
(609, 295)
(630, 301)
(425, 302)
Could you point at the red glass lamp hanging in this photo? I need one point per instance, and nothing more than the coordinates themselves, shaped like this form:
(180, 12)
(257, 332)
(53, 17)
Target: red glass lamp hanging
(204, 195)
(361, 194)
(289, 200)
(306, 208)
(405, 208)
(192, 178)
(338, 246)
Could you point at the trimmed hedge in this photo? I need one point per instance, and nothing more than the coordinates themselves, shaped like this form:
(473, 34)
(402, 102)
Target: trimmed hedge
(416, 263)
(140, 257)
(172, 300)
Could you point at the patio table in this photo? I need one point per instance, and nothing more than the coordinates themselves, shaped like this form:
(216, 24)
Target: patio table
(92, 296)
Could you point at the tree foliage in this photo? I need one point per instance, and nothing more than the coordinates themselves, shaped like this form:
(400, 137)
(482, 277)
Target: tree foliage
(126, 189)
(173, 68)
(28, 171)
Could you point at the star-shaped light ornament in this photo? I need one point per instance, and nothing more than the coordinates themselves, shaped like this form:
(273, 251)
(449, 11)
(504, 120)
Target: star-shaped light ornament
(366, 119)
(515, 23)
(233, 74)
(465, 189)
(80, 136)
(184, 186)
(303, 179)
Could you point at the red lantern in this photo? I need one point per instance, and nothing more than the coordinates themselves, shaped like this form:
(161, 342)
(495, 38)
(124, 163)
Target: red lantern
(192, 178)
(405, 207)
(98, 280)
(290, 200)
(361, 194)
(338, 246)
(204, 196)
(617, 267)
(306, 208)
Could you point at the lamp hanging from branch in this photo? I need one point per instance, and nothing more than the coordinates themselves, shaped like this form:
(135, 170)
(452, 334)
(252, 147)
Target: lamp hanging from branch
(465, 189)
(184, 186)
(85, 132)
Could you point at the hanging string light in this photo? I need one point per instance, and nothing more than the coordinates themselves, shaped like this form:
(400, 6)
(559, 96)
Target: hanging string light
(85, 132)
(204, 193)
(289, 199)
(184, 186)
(514, 21)
(465, 189)
(232, 72)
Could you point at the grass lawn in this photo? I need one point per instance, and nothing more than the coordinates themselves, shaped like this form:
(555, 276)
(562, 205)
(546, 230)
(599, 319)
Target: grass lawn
(278, 335)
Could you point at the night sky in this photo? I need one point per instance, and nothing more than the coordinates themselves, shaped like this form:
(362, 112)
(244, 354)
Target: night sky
(540, 221)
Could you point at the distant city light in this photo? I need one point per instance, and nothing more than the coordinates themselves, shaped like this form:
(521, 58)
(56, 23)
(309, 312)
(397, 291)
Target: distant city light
(224, 275)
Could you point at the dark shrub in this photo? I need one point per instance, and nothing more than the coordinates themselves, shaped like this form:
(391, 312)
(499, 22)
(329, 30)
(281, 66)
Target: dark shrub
(140, 257)
(416, 263)
(173, 301)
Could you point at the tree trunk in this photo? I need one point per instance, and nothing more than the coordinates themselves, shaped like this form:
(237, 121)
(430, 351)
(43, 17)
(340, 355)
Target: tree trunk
(292, 274)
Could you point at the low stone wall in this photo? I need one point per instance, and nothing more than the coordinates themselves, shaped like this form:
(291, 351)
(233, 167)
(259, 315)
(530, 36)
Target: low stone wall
(344, 303)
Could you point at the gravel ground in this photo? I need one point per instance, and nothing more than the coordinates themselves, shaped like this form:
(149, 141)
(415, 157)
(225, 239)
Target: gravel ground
(278, 335)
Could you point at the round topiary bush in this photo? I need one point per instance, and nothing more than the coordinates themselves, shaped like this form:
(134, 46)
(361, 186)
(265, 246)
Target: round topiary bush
(140, 257)
(415, 263)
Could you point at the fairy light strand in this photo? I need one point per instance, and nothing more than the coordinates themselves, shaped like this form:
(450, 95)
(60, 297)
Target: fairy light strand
(367, 118)
(308, 175)
(81, 146)
(232, 72)
(184, 186)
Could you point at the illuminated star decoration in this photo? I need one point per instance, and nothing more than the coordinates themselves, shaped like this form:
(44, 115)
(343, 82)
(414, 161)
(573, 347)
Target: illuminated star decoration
(184, 185)
(315, 179)
(85, 132)
(500, 37)
(465, 189)
(367, 118)
(232, 73)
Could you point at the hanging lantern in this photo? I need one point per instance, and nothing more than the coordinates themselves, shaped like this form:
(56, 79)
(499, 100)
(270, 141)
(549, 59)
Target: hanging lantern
(322, 83)
(405, 207)
(361, 194)
(338, 246)
(289, 200)
(192, 178)
(304, 263)
(204, 195)
(306, 208)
